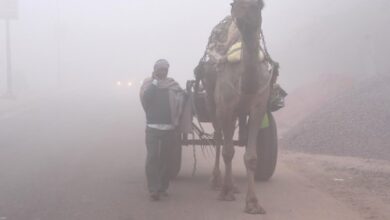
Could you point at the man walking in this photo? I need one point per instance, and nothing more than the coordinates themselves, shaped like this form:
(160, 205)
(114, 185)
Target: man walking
(162, 99)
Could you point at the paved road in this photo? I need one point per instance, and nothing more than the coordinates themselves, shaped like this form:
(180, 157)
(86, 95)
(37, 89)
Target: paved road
(81, 157)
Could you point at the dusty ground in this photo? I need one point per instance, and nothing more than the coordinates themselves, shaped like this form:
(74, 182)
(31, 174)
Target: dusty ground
(81, 157)
(352, 128)
(363, 184)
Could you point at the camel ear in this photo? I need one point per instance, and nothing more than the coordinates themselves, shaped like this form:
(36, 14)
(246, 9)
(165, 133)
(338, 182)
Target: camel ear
(261, 3)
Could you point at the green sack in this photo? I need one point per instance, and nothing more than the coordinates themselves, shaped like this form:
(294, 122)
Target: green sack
(265, 123)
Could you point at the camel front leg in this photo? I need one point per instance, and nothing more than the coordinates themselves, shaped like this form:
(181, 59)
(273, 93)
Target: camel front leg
(250, 158)
(216, 179)
(228, 189)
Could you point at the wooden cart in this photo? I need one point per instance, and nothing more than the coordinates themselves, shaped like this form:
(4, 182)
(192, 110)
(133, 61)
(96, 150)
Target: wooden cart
(267, 144)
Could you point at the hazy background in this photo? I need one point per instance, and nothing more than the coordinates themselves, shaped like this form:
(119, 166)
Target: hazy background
(79, 154)
(98, 42)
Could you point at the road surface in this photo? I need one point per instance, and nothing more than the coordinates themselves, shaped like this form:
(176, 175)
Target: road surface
(81, 157)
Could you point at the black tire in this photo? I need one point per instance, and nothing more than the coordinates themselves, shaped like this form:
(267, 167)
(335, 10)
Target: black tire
(175, 160)
(267, 151)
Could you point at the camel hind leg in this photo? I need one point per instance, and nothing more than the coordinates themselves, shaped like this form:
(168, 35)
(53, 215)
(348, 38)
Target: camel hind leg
(216, 178)
(228, 188)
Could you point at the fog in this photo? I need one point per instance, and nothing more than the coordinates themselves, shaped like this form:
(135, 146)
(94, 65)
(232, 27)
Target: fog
(72, 140)
(98, 42)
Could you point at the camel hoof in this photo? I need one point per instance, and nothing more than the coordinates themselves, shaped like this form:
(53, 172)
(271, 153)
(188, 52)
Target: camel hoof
(236, 190)
(227, 195)
(216, 182)
(254, 209)
(251, 162)
(215, 187)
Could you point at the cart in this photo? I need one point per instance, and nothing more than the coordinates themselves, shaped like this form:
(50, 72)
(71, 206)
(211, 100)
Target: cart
(267, 144)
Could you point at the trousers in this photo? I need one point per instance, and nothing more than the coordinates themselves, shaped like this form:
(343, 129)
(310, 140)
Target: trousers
(159, 145)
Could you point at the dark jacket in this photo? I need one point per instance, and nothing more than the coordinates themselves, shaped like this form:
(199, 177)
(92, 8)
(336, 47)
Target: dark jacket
(155, 102)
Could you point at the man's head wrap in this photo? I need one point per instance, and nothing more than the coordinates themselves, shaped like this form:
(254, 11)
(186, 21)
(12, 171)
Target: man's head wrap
(161, 64)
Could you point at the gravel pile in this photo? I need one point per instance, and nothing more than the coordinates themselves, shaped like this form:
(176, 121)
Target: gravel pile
(355, 124)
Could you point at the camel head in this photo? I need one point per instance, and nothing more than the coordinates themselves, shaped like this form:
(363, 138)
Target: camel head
(247, 14)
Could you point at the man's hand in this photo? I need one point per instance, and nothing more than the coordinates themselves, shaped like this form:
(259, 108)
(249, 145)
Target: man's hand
(160, 74)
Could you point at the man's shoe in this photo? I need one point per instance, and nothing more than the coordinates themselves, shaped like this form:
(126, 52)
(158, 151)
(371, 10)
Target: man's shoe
(154, 197)
(164, 193)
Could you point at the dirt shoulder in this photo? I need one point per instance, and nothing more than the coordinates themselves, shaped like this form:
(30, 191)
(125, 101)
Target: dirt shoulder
(362, 184)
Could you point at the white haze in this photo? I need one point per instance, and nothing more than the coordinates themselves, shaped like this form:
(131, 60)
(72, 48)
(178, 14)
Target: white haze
(87, 42)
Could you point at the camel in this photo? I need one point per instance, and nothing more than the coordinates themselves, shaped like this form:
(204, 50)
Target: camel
(234, 90)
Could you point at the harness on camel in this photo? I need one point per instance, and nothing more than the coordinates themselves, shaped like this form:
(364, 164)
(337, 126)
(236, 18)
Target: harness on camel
(225, 45)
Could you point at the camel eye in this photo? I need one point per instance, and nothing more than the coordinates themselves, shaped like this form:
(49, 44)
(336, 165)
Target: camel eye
(253, 9)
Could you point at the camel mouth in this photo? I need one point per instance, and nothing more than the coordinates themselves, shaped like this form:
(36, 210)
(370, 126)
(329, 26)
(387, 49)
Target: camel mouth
(248, 25)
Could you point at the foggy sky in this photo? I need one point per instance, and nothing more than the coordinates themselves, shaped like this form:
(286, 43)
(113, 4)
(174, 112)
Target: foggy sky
(99, 41)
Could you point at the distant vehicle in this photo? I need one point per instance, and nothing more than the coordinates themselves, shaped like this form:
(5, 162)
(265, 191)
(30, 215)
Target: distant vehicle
(125, 83)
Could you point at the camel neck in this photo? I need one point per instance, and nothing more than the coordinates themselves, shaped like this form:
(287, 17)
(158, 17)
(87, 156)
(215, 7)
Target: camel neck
(251, 46)
(250, 77)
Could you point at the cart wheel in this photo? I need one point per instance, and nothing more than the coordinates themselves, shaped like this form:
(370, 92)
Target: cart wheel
(175, 160)
(267, 151)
